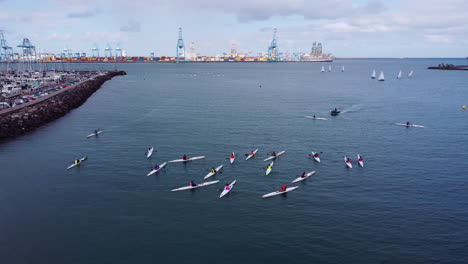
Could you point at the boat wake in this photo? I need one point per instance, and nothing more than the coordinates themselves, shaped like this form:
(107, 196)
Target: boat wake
(353, 108)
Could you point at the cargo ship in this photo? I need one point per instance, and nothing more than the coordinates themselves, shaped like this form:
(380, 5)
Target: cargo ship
(317, 55)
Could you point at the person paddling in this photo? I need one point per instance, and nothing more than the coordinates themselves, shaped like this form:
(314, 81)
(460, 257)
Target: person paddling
(316, 155)
(360, 158)
(227, 188)
(283, 188)
(303, 175)
(193, 184)
(273, 154)
(408, 123)
(213, 170)
(156, 167)
(232, 156)
(77, 161)
(252, 153)
(184, 157)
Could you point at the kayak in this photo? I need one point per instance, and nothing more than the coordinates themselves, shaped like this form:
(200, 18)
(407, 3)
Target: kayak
(76, 164)
(316, 118)
(190, 159)
(315, 158)
(154, 171)
(361, 163)
(213, 173)
(268, 171)
(224, 192)
(149, 153)
(400, 124)
(232, 158)
(274, 157)
(277, 192)
(306, 176)
(348, 163)
(194, 187)
(94, 134)
(250, 156)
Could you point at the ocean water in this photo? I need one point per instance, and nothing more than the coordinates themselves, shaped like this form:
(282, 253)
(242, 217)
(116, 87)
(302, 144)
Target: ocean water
(409, 204)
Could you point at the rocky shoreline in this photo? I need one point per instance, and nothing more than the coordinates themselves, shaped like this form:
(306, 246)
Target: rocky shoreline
(16, 122)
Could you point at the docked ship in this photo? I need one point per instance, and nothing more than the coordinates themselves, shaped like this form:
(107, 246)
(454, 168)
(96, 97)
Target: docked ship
(317, 55)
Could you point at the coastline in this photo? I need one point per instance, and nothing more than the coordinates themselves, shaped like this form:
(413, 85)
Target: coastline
(27, 117)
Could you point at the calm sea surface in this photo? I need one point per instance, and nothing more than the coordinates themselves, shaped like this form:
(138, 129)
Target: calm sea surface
(409, 204)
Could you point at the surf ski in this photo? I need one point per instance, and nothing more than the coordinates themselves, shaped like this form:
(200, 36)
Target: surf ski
(156, 170)
(251, 154)
(76, 164)
(213, 173)
(269, 168)
(185, 160)
(194, 187)
(274, 157)
(348, 162)
(278, 192)
(226, 191)
(303, 178)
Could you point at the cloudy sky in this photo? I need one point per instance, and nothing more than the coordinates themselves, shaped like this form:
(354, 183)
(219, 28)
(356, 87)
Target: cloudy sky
(347, 28)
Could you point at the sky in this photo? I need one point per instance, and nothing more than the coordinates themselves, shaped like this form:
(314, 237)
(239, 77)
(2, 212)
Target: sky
(346, 28)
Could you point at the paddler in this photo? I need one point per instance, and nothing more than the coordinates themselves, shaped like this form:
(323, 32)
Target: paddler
(156, 167)
(213, 170)
(283, 188)
(77, 161)
(232, 156)
(360, 158)
(193, 184)
(227, 188)
(269, 167)
(273, 154)
(184, 157)
(316, 155)
(347, 160)
(303, 175)
(408, 123)
(252, 153)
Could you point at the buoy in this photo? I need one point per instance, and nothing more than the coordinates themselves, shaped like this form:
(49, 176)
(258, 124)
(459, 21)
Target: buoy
(464, 107)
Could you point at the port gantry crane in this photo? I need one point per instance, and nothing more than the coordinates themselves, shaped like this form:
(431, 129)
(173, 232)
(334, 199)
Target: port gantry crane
(180, 48)
(273, 48)
(6, 52)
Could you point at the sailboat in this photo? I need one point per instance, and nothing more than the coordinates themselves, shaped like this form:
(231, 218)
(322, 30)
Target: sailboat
(381, 76)
(373, 74)
(342, 68)
(323, 69)
(399, 75)
(329, 68)
(410, 74)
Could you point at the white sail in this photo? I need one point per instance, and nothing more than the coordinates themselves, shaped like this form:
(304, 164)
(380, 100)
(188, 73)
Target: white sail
(381, 76)
(329, 68)
(410, 74)
(323, 69)
(342, 68)
(399, 75)
(373, 74)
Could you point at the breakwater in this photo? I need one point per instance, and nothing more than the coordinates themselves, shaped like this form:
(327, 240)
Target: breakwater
(20, 120)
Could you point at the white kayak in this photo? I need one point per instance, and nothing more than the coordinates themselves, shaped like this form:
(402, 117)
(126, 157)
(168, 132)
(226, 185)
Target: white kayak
(315, 158)
(194, 187)
(213, 173)
(269, 168)
(361, 162)
(154, 171)
(250, 155)
(278, 192)
(232, 158)
(298, 179)
(348, 163)
(411, 125)
(316, 118)
(94, 134)
(149, 152)
(76, 164)
(224, 192)
(274, 157)
(190, 159)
